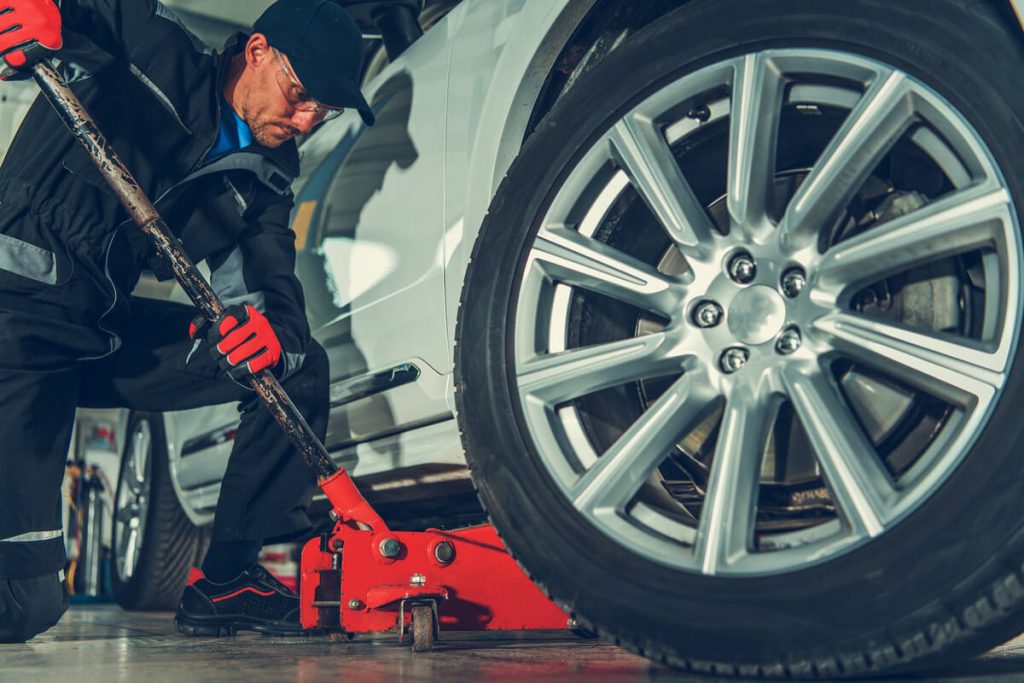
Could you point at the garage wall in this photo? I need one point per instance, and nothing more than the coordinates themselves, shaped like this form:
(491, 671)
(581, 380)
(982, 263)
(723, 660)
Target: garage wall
(212, 20)
(15, 99)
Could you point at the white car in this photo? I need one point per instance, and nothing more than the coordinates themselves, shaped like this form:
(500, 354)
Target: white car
(720, 299)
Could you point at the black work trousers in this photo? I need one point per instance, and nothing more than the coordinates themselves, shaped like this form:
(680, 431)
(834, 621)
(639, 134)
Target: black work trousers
(266, 488)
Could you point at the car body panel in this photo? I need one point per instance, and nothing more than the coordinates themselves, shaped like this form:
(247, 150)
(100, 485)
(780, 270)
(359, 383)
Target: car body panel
(369, 275)
(378, 294)
(1018, 7)
(498, 66)
(428, 455)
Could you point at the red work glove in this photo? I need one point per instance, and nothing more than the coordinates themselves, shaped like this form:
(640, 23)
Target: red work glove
(27, 26)
(242, 341)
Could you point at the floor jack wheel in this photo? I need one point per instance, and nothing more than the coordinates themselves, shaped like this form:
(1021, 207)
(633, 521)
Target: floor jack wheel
(422, 628)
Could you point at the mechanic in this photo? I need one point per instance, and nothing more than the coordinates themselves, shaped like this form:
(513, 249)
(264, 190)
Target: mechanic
(210, 138)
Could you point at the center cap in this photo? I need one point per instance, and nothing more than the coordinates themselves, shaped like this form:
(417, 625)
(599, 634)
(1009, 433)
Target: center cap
(757, 314)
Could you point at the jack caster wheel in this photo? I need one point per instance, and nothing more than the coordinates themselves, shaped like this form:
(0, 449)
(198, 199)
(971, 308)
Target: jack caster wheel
(422, 628)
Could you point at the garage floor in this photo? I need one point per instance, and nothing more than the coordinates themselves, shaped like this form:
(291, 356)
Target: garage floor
(103, 643)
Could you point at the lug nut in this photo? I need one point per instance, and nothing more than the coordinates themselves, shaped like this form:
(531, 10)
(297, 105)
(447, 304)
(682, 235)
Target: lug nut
(742, 268)
(390, 548)
(788, 342)
(793, 282)
(707, 314)
(444, 552)
(354, 604)
(701, 113)
(734, 359)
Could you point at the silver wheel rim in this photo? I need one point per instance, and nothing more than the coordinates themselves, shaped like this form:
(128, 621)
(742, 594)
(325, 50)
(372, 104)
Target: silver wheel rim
(792, 330)
(133, 500)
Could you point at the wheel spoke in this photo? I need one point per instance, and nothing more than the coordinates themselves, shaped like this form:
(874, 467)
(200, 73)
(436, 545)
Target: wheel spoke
(858, 481)
(874, 125)
(955, 372)
(963, 221)
(643, 153)
(727, 517)
(132, 478)
(618, 474)
(574, 259)
(566, 375)
(126, 550)
(753, 134)
(126, 513)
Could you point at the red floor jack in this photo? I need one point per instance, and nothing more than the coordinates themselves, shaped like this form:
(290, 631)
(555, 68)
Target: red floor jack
(373, 580)
(362, 577)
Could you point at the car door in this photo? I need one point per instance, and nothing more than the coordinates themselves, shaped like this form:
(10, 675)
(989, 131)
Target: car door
(368, 223)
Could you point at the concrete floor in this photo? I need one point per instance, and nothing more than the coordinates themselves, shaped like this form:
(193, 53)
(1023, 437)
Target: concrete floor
(101, 643)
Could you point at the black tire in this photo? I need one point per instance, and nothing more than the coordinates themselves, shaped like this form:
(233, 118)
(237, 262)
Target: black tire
(944, 583)
(170, 543)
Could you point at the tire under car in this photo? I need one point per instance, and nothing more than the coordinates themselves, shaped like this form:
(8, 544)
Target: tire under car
(154, 542)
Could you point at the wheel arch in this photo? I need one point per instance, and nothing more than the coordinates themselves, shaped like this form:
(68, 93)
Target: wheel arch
(553, 51)
(553, 46)
(570, 42)
(578, 38)
(1018, 9)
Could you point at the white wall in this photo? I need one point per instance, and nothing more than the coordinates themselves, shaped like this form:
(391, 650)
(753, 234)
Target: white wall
(15, 99)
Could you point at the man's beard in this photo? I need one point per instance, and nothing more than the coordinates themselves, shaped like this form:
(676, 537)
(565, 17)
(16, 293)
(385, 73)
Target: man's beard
(261, 132)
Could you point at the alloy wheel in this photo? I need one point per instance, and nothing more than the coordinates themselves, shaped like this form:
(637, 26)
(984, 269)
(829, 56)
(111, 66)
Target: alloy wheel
(820, 329)
(133, 500)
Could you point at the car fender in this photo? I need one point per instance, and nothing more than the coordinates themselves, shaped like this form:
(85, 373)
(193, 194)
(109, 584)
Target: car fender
(508, 50)
(1018, 8)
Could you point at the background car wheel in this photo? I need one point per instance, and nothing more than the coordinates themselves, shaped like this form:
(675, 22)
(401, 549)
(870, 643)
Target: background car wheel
(737, 360)
(154, 542)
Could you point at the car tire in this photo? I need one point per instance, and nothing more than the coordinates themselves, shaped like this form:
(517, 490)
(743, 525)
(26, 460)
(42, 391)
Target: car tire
(938, 580)
(154, 542)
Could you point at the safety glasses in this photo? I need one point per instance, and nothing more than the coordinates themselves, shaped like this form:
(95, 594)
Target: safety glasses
(297, 96)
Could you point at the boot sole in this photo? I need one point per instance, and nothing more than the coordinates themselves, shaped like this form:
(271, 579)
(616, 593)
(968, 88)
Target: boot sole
(220, 629)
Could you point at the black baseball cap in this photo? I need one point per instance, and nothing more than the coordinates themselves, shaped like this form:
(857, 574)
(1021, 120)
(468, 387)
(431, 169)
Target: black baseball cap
(324, 46)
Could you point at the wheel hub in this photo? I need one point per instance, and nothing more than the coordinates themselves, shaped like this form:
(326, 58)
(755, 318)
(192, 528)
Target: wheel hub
(757, 315)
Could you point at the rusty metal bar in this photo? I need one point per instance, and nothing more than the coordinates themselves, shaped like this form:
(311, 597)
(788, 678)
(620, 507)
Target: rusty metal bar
(124, 185)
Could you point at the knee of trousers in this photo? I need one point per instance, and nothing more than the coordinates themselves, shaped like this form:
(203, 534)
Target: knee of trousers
(30, 606)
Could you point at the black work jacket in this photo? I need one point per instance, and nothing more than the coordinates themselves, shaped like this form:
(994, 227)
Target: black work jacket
(70, 255)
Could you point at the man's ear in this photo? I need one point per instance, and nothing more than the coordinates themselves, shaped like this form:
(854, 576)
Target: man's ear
(257, 50)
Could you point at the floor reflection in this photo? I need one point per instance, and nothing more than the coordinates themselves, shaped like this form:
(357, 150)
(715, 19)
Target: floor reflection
(102, 643)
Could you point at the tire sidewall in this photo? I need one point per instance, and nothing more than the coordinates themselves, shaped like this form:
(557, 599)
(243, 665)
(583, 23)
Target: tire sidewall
(934, 562)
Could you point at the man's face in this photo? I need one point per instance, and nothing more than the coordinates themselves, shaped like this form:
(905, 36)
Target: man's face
(265, 108)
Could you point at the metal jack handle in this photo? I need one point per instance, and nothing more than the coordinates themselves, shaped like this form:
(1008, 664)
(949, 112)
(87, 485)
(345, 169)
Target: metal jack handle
(346, 499)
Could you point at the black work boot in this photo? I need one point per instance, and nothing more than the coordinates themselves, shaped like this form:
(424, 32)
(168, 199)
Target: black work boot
(254, 600)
